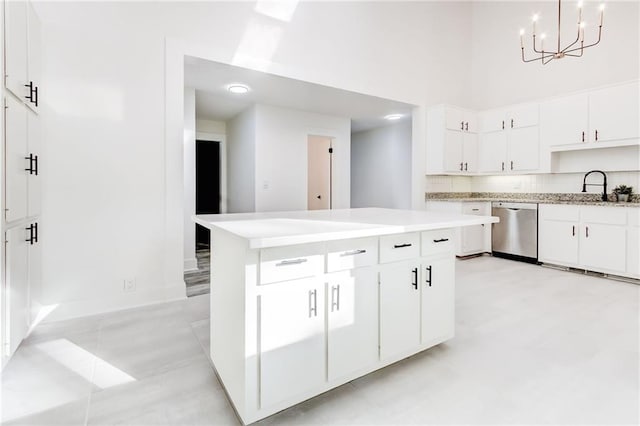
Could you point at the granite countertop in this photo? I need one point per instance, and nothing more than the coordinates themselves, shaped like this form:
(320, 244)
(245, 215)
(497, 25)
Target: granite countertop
(273, 229)
(546, 198)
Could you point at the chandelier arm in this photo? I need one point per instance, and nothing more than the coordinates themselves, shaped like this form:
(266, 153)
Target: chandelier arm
(535, 59)
(572, 44)
(575, 56)
(551, 59)
(534, 45)
(589, 45)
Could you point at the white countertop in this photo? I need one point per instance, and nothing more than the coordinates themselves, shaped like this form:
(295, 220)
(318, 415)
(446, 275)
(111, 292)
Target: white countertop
(273, 229)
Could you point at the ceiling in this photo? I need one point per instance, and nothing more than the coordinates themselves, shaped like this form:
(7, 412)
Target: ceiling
(215, 102)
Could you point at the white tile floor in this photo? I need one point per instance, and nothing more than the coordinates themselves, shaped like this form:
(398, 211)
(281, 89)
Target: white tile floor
(533, 345)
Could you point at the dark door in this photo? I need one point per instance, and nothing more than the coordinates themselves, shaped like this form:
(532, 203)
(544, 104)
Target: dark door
(207, 185)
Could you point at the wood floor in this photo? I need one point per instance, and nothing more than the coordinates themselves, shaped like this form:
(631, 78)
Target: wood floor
(198, 282)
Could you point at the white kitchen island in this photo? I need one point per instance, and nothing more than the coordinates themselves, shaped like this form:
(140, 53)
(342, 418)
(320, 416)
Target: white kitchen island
(302, 302)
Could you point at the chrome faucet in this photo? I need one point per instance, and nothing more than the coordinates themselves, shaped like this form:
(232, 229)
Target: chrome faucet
(604, 184)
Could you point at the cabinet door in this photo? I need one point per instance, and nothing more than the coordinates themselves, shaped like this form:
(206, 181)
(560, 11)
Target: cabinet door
(613, 113)
(292, 350)
(493, 120)
(34, 54)
(352, 310)
(493, 152)
(471, 122)
(633, 252)
(603, 247)
(470, 152)
(523, 151)
(558, 242)
(16, 47)
(454, 119)
(453, 142)
(15, 162)
(34, 179)
(438, 299)
(35, 276)
(399, 308)
(523, 116)
(17, 282)
(563, 121)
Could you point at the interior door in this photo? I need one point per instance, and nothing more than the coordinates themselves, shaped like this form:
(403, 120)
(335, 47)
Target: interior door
(318, 172)
(207, 184)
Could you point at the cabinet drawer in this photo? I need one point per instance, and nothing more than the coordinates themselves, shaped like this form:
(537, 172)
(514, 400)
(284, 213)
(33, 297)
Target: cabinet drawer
(437, 241)
(603, 215)
(560, 212)
(399, 247)
(478, 209)
(349, 254)
(292, 262)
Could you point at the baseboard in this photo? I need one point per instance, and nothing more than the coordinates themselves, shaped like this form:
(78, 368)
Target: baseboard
(146, 297)
(190, 265)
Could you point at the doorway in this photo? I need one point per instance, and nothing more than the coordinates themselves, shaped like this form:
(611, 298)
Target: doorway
(319, 171)
(207, 186)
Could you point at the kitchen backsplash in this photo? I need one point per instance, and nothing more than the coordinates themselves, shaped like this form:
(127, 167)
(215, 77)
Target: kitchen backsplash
(547, 183)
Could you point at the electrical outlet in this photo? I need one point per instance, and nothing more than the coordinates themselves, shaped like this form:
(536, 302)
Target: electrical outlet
(129, 285)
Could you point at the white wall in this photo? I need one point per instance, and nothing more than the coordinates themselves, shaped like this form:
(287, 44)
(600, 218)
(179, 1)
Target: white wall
(190, 261)
(210, 126)
(241, 162)
(500, 77)
(112, 198)
(281, 157)
(381, 167)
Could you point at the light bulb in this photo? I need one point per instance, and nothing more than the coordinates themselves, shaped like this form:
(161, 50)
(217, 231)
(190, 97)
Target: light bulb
(580, 3)
(522, 31)
(535, 17)
(583, 24)
(602, 6)
(238, 88)
(543, 36)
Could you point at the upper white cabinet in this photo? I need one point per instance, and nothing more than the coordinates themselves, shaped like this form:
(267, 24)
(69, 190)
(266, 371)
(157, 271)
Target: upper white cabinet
(23, 47)
(604, 115)
(22, 161)
(452, 141)
(509, 140)
(614, 112)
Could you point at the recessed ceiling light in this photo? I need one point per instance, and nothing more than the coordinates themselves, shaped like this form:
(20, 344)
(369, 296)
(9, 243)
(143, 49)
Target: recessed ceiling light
(238, 88)
(393, 116)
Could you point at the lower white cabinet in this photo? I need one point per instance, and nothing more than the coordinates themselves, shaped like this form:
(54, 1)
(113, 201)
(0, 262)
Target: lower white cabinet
(292, 334)
(352, 322)
(399, 308)
(17, 285)
(595, 238)
(469, 240)
(416, 304)
(438, 298)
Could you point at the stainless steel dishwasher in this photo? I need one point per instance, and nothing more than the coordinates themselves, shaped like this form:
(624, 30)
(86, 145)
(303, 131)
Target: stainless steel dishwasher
(516, 235)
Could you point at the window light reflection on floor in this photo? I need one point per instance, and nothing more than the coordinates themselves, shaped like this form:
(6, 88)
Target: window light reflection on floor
(84, 363)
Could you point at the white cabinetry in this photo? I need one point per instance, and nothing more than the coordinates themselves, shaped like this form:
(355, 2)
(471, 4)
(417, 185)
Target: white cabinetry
(17, 288)
(469, 240)
(292, 356)
(633, 242)
(16, 160)
(509, 141)
(604, 117)
(416, 298)
(588, 237)
(452, 140)
(22, 52)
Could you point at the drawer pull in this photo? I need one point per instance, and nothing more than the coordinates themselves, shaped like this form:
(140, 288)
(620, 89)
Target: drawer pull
(441, 240)
(475, 210)
(352, 252)
(414, 272)
(402, 245)
(291, 262)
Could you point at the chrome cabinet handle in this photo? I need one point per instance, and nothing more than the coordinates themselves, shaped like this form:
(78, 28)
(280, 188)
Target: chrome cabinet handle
(428, 281)
(313, 303)
(335, 298)
(291, 262)
(352, 252)
(402, 245)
